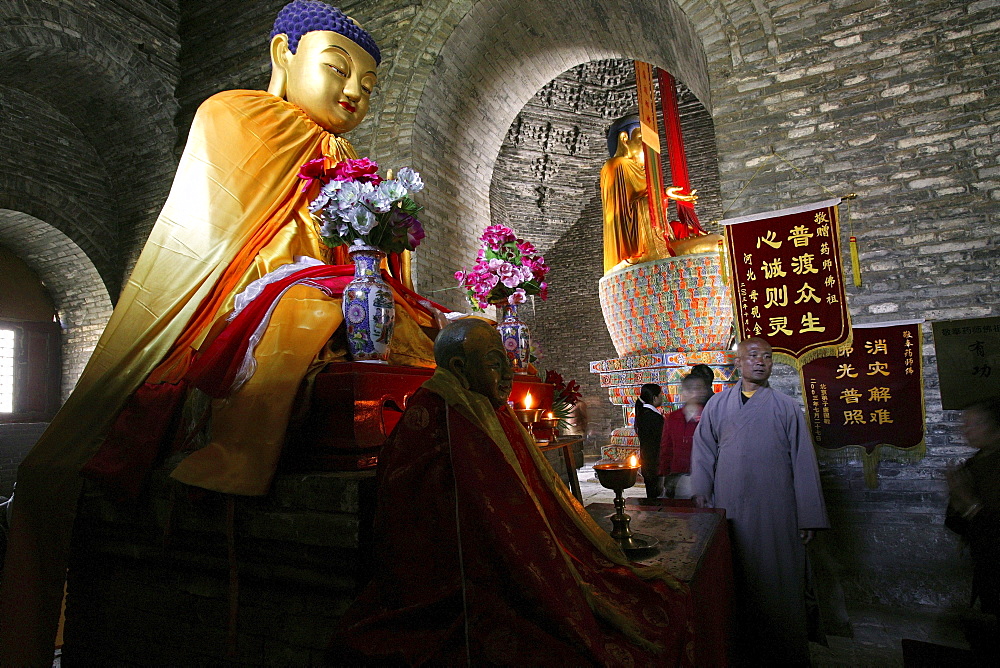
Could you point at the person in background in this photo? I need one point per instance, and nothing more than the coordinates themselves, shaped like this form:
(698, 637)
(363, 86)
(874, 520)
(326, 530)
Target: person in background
(704, 372)
(678, 432)
(649, 427)
(974, 514)
(752, 456)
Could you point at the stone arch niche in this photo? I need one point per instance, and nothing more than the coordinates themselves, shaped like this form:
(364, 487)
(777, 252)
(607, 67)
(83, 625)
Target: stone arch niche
(545, 185)
(76, 287)
(493, 61)
(93, 128)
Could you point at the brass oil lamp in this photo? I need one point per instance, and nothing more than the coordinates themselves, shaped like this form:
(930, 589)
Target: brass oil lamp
(619, 476)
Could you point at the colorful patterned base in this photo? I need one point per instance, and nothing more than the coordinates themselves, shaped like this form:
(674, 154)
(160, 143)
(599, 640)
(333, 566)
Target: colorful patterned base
(623, 377)
(679, 303)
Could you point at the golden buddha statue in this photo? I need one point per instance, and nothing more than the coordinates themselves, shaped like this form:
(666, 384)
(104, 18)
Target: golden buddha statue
(236, 213)
(629, 237)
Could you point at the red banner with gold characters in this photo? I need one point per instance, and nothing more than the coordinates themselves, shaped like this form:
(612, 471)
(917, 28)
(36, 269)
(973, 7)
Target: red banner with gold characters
(869, 397)
(788, 281)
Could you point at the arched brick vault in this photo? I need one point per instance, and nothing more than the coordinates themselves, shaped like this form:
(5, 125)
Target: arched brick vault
(73, 282)
(496, 57)
(119, 105)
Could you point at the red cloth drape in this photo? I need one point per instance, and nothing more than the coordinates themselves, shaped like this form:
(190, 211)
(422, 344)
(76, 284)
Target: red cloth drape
(675, 150)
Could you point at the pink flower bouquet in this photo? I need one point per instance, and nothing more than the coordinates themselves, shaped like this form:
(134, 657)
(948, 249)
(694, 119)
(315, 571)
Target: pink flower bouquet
(507, 269)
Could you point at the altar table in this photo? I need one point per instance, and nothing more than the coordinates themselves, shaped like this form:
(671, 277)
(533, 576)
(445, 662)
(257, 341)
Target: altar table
(693, 546)
(566, 444)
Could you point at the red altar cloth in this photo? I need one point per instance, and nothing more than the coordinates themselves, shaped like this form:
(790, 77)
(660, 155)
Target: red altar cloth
(695, 547)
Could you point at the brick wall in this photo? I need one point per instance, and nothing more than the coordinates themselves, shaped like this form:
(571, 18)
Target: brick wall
(892, 101)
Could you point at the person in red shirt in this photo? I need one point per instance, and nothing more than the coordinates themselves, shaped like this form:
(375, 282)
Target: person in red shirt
(678, 431)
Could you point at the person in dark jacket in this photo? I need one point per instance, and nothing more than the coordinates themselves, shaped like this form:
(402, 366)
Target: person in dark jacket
(649, 427)
(974, 514)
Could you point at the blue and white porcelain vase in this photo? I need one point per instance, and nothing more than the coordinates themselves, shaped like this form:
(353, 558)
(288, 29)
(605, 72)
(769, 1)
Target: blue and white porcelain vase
(369, 311)
(516, 338)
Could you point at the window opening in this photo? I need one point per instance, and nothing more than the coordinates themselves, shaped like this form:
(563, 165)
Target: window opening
(6, 371)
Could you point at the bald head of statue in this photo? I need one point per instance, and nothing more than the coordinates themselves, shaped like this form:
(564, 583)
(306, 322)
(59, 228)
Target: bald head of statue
(323, 62)
(472, 350)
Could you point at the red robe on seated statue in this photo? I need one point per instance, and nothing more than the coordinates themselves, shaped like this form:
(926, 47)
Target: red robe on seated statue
(482, 553)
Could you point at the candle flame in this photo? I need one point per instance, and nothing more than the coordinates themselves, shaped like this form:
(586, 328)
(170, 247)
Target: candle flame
(527, 400)
(633, 461)
(549, 415)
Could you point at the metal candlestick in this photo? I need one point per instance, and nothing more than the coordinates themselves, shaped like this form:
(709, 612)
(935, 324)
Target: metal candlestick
(619, 476)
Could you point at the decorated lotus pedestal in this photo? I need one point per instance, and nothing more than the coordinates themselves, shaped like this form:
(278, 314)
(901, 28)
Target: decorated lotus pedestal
(664, 317)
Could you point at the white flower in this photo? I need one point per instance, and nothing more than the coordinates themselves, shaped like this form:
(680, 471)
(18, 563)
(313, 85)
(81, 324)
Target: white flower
(361, 219)
(347, 196)
(410, 180)
(377, 200)
(393, 190)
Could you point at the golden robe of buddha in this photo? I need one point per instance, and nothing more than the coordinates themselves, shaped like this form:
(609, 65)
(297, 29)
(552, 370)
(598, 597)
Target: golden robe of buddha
(628, 234)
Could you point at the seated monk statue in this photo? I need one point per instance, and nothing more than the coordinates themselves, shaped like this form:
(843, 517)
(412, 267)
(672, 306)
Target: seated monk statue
(236, 213)
(629, 237)
(482, 555)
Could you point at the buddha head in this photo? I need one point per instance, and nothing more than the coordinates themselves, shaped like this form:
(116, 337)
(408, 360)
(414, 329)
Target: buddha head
(323, 62)
(625, 138)
(472, 350)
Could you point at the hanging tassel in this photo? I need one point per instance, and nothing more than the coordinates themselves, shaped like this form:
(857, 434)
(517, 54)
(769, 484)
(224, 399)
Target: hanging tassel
(723, 261)
(855, 263)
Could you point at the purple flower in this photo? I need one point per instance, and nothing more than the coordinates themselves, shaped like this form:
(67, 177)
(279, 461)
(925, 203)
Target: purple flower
(518, 297)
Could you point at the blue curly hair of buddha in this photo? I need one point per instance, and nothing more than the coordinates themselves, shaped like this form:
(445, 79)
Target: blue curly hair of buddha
(303, 16)
(624, 124)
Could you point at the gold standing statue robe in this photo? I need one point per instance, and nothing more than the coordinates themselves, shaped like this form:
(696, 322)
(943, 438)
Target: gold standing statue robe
(235, 212)
(628, 234)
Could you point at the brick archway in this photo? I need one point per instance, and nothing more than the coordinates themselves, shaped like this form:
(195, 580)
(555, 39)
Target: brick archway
(75, 285)
(102, 115)
(495, 59)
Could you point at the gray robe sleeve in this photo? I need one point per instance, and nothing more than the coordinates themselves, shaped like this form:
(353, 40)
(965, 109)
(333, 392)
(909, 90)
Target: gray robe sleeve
(809, 505)
(705, 450)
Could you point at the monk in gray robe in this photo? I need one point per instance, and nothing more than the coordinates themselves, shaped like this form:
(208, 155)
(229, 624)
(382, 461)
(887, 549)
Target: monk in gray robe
(752, 456)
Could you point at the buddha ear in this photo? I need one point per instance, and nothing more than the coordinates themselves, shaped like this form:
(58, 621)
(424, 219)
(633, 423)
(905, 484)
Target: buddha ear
(280, 57)
(457, 367)
(622, 144)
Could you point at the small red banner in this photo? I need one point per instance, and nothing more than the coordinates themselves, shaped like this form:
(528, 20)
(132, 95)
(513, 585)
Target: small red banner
(787, 279)
(871, 394)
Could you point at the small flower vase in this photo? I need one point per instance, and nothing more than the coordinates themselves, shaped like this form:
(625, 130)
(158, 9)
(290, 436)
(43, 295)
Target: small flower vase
(514, 333)
(369, 311)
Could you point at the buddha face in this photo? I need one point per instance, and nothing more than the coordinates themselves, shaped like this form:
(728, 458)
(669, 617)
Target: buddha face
(329, 77)
(486, 366)
(633, 145)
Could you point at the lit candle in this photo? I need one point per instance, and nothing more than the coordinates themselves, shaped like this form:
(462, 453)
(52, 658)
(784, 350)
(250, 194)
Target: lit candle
(527, 400)
(549, 416)
(633, 461)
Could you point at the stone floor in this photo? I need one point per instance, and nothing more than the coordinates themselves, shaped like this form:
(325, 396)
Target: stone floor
(878, 632)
